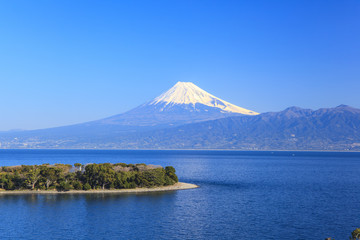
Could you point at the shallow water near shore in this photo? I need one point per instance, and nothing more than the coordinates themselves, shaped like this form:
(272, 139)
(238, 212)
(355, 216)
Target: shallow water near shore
(242, 195)
(177, 186)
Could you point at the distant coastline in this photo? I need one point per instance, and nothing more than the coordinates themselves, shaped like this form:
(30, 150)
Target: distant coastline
(183, 149)
(176, 186)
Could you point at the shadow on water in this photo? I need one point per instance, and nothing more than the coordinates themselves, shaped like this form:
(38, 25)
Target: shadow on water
(37, 198)
(223, 185)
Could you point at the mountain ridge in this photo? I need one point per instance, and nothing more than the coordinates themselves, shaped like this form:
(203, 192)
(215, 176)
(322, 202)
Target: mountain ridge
(187, 117)
(291, 129)
(322, 129)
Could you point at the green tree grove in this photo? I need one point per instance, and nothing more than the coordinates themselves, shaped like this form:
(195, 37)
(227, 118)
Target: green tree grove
(85, 177)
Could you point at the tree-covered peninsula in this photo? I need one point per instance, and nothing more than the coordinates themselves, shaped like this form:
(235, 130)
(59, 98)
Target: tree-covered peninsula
(65, 177)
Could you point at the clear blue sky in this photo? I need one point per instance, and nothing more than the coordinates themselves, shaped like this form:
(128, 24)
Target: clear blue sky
(65, 62)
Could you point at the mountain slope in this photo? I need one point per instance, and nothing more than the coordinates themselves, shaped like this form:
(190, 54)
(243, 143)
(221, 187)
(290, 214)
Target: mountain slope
(292, 129)
(187, 93)
(186, 117)
(183, 103)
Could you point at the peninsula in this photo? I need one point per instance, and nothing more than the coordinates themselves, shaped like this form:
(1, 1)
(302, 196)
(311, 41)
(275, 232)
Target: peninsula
(89, 178)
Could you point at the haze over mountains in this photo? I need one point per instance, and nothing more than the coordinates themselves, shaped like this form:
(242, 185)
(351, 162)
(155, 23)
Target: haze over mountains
(187, 117)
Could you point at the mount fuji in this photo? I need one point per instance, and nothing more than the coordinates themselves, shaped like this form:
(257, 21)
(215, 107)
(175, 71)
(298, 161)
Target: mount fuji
(183, 103)
(187, 117)
(187, 93)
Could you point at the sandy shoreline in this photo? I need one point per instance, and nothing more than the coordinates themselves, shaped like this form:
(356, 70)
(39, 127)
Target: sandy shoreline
(177, 186)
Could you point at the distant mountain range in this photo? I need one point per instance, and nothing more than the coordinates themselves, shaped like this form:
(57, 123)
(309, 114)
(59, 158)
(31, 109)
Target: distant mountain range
(292, 129)
(187, 117)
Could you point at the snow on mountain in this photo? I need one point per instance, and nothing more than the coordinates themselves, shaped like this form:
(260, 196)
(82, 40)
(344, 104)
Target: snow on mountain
(184, 103)
(189, 93)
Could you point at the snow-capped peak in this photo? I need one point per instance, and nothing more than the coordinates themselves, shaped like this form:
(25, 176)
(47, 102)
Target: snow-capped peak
(189, 93)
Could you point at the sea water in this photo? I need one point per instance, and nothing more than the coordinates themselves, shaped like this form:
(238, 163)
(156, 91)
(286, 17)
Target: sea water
(242, 195)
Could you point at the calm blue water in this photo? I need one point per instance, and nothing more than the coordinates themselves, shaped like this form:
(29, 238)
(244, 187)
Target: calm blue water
(242, 195)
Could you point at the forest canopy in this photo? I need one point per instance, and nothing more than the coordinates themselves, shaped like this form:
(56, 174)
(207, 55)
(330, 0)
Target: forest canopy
(65, 177)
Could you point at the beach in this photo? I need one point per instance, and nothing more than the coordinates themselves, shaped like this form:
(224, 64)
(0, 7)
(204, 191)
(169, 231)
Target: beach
(176, 186)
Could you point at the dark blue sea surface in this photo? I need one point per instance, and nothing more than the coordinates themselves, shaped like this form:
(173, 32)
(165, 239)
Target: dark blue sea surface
(242, 195)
